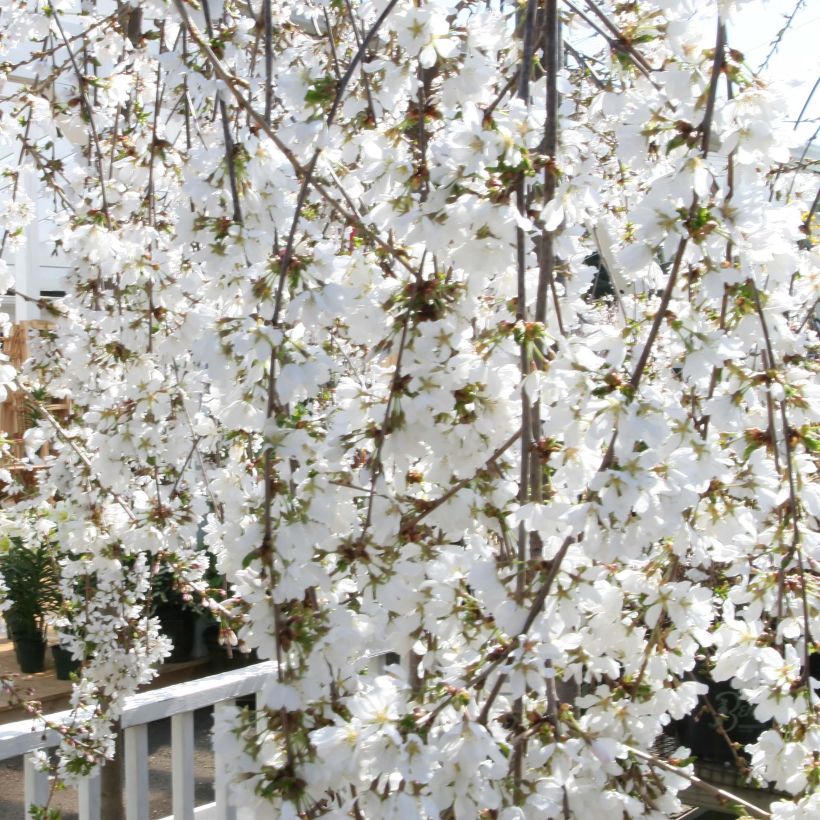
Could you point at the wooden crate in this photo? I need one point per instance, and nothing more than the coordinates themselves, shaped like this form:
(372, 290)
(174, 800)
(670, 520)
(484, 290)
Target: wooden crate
(16, 345)
(16, 413)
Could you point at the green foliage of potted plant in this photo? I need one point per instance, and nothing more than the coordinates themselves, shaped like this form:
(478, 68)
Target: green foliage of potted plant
(32, 591)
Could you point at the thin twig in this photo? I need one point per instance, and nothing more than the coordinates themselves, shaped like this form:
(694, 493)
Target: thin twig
(430, 506)
(621, 40)
(652, 760)
(778, 38)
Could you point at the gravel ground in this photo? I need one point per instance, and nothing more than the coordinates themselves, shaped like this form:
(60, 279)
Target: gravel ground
(159, 773)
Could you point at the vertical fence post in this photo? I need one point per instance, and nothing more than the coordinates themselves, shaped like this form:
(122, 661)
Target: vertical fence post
(35, 783)
(88, 796)
(224, 809)
(137, 796)
(182, 765)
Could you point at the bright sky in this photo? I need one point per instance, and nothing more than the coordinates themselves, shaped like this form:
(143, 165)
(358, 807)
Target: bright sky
(796, 64)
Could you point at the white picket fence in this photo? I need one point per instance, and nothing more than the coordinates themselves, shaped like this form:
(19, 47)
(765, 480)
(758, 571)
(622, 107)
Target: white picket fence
(177, 702)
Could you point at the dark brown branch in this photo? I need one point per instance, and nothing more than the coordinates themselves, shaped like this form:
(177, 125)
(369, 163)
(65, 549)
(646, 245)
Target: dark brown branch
(431, 506)
(557, 560)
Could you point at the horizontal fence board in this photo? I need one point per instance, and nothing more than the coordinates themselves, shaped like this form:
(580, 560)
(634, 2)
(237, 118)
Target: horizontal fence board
(26, 735)
(20, 737)
(187, 697)
(178, 702)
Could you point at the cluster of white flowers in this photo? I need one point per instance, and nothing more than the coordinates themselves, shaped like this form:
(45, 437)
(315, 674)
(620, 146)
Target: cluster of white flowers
(435, 345)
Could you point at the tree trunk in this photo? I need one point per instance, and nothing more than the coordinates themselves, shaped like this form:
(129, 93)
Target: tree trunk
(112, 806)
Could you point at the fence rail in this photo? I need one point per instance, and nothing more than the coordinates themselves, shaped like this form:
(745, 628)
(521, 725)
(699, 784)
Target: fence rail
(177, 702)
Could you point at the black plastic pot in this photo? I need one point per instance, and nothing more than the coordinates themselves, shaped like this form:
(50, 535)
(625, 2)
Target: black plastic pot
(64, 662)
(701, 735)
(178, 625)
(31, 653)
(218, 658)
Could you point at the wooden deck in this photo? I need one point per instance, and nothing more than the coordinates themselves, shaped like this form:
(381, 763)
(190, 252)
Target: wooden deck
(54, 694)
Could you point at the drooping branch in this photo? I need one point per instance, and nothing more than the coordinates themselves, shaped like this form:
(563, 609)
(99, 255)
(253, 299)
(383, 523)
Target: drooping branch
(774, 46)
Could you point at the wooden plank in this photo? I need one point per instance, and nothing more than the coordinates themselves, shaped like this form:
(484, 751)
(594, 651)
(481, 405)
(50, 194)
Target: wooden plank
(224, 809)
(137, 795)
(17, 344)
(23, 736)
(15, 413)
(9, 418)
(182, 765)
(35, 784)
(191, 695)
(88, 797)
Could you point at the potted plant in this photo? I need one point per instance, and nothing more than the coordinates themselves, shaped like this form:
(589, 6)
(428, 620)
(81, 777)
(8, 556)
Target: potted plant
(176, 613)
(65, 664)
(718, 732)
(31, 592)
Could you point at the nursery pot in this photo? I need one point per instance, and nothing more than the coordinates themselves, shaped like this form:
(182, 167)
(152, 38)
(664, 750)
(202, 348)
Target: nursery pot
(31, 653)
(178, 625)
(218, 653)
(739, 723)
(64, 662)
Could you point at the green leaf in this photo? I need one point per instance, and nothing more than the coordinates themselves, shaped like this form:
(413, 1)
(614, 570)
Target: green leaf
(810, 443)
